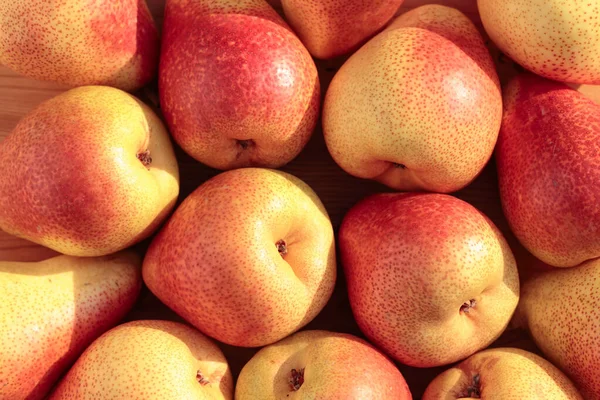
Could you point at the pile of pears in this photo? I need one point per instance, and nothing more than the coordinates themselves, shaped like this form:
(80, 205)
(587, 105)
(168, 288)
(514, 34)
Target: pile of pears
(251, 256)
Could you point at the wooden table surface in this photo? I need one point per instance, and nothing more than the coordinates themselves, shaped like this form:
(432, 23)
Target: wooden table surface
(338, 190)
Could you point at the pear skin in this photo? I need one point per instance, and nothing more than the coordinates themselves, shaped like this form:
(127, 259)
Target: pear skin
(53, 309)
(331, 28)
(87, 173)
(502, 374)
(248, 258)
(561, 310)
(548, 159)
(419, 106)
(321, 365)
(237, 87)
(150, 360)
(79, 43)
(431, 280)
(556, 39)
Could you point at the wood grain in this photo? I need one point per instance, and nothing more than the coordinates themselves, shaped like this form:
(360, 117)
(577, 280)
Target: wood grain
(338, 190)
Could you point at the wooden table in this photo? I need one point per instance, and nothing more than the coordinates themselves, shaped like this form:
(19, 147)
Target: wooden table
(338, 190)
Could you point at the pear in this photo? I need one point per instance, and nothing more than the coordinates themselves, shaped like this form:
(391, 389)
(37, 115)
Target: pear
(419, 106)
(556, 39)
(431, 280)
(502, 373)
(548, 159)
(150, 360)
(52, 310)
(87, 173)
(248, 258)
(77, 43)
(561, 310)
(320, 365)
(330, 28)
(237, 87)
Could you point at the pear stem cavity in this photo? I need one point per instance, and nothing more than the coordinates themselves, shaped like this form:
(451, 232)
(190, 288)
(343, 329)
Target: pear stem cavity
(296, 379)
(245, 144)
(467, 306)
(473, 391)
(281, 247)
(145, 158)
(201, 379)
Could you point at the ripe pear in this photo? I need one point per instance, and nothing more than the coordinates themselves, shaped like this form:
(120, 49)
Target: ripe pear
(419, 106)
(502, 374)
(248, 258)
(320, 365)
(52, 310)
(237, 87)
(548, 159)
(150, 360)
(431, 280)
(74, 42)
(556, 39)
(331, 28)
(87, 173)
(561, 310)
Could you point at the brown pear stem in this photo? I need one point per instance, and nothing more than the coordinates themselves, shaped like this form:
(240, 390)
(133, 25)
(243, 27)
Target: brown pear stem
(473, 391)
(296, 379)
(466, 307)
(282, 247)
(145, 158)
(201, 379)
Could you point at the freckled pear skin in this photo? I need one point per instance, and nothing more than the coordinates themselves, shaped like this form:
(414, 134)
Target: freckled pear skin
(419, 106)
(548, 159)
(337, 366)
(150, 360)
(237, 87)
(557, 39)
(52, 310)
(73, 178)
(503, 374)
(74, 42)
(442, 283)
(248, 258)
(331, 28)
(560, 309)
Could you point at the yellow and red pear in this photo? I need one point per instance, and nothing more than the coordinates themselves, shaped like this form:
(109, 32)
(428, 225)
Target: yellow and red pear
(556, 39)
(548, 159)
(431, 280)
(503, 373)
(52, 310)
(79, 43)
(237, 87)
(419, 106)
(150, 360)
(331, 28)
(561, 310)
(87, 173)
(248, 258)
(321, 365)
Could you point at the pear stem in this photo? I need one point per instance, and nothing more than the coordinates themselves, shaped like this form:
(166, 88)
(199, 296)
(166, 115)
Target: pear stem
(473, 391)
(297, 379)
(145, 158)
(281, 247)
(467, 306)
(201, 379)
